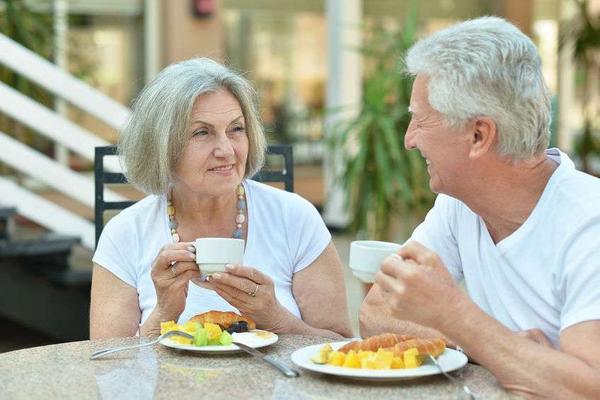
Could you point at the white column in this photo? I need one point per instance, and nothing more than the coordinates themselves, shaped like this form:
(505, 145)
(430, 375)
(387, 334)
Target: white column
(344, 82)
(152, 42)
(61, 29)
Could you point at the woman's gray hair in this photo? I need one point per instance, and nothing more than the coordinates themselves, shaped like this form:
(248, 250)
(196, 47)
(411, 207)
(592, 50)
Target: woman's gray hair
(487, 67)
(156, 135)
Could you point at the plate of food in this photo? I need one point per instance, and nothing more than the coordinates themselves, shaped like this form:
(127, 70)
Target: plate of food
(385, 357)
(215, 332)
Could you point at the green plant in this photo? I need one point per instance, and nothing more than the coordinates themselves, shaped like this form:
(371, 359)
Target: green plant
(382, 179)
(584, 33)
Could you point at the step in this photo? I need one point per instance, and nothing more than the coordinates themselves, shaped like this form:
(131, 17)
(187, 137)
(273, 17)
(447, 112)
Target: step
(45, 250)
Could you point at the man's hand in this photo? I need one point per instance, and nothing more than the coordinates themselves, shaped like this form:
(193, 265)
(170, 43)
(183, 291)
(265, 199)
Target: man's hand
(418, 287)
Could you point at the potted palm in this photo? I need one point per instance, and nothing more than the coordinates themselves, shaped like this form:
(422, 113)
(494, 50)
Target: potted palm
(381, 179)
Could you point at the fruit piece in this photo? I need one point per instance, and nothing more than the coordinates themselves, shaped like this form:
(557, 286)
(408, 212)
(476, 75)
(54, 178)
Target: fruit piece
(384, 359)
(352, 360)
(323, 355)
(189, 327)
(397, 363)
(166, 327)
(201, 337)
(237, 327)
(336, 358)
(213, 331)
(411, 358)
(225, 339)
(363, 356)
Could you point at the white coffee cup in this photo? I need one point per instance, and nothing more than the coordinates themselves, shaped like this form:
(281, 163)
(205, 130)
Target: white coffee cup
(366, 257)
(212, 254)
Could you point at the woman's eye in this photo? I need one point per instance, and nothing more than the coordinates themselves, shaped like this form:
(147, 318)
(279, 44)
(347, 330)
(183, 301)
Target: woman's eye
(200, 132)
(238, 129)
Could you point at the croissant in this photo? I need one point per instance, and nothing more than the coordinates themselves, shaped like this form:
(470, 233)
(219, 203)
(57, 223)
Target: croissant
(223, 318)
(435, 347)
(375, 342)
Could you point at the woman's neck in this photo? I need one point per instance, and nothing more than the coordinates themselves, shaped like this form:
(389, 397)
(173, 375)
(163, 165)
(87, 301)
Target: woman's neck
(200, 215)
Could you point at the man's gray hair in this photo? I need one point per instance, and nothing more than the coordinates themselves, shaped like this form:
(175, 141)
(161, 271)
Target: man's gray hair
(156, 135)
(487, 67)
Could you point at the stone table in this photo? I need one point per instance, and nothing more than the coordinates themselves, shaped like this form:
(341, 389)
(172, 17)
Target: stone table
(65, 371)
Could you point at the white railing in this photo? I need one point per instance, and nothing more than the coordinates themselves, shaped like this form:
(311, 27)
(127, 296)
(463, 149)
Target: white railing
(46, 213)
(50, 172)
(51, 125)
(59, 129)
(57, 81)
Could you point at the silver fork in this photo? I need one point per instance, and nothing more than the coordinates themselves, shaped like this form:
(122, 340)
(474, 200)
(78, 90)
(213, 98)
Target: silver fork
(452, 379)
(102, 353)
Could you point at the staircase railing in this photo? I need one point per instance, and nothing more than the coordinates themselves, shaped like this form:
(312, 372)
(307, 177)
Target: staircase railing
(59, 129)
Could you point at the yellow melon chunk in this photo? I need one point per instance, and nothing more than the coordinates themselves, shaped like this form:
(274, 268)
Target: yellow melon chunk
(352, 360)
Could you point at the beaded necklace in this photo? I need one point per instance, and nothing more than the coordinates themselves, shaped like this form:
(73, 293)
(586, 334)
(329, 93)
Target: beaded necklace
(240, 216)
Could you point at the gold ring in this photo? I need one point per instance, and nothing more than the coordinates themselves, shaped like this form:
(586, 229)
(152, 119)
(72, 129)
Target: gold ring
(253, 293)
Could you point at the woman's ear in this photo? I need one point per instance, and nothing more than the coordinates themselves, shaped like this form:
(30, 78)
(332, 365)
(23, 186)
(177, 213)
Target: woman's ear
(483, 137)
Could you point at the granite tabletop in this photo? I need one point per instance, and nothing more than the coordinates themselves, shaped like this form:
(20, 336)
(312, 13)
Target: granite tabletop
(65, 371)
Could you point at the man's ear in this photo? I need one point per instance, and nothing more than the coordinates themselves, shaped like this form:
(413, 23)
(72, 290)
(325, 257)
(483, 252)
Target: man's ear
(483, 137)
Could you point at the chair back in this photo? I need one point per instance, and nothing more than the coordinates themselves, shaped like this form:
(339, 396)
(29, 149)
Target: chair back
(284, 175)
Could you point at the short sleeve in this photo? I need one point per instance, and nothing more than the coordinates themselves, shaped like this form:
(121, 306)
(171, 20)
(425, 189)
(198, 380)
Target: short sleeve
(436, 233)
(116, 249)
(307, 235)
(580, 282)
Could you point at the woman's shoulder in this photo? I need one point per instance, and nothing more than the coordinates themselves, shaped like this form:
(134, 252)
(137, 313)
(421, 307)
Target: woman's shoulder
(271, 196)
(137, 216)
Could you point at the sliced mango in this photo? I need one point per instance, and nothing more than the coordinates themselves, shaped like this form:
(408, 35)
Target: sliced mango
(352, 360)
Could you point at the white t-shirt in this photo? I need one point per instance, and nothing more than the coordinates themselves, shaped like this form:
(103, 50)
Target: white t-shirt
(285, 235)
(544, 275)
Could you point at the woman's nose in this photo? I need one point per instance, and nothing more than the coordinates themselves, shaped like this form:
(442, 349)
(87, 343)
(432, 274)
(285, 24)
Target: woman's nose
(223, 146)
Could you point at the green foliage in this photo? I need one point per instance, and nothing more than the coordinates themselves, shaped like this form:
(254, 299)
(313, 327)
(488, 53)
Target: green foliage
(380, 177)
(584, 33)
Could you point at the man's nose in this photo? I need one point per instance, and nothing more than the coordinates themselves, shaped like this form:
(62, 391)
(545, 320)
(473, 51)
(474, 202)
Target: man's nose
(409, 137)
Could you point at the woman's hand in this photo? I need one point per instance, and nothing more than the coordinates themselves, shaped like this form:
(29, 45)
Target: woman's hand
(171, 271)
(253, 293)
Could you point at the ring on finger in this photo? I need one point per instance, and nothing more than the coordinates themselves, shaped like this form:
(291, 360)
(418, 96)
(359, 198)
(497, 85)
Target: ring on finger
(174, 269)
(253, 293)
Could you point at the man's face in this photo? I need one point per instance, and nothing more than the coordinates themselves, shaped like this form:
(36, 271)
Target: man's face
(445, 150)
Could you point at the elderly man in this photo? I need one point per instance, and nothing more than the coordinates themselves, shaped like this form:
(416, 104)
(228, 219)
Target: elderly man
(513, 220)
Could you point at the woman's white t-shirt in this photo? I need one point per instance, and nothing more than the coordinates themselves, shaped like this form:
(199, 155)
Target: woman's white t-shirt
(285, 235)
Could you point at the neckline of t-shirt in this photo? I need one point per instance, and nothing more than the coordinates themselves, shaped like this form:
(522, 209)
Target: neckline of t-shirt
(563, 168)
(249, 202)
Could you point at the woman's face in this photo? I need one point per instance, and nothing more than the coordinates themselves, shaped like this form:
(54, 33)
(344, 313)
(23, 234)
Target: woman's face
(214, 160)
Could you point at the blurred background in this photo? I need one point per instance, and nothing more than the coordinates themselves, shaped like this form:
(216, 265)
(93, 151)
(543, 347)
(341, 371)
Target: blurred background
(327, 72)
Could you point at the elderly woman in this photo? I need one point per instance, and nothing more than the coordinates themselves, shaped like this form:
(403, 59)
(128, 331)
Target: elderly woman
(193, 141)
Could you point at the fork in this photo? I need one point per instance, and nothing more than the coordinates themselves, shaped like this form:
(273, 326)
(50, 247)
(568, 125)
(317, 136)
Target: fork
(452, 379)
(102, 353)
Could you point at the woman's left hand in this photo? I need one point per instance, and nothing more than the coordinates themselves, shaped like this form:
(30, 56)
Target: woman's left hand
(253, 293)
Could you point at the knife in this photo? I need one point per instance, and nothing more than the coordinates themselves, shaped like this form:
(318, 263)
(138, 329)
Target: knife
(287, 371)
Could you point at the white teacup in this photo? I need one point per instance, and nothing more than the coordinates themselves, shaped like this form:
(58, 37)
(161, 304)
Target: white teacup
(366, 257)
(212, 254)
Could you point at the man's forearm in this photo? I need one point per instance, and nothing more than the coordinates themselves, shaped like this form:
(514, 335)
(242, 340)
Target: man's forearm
(520, 365)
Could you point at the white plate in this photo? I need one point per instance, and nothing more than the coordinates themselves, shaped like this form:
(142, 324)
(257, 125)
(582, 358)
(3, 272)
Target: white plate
(450, 360)
(255, 338)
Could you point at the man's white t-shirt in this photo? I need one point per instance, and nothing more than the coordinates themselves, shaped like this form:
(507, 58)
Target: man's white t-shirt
(285, 235)
(546, 274)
